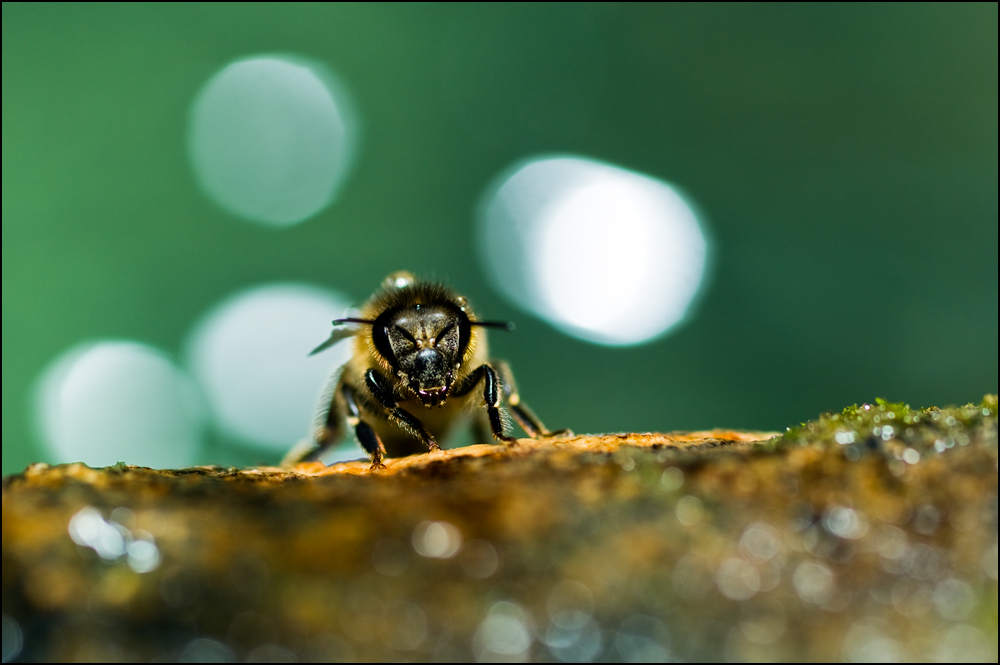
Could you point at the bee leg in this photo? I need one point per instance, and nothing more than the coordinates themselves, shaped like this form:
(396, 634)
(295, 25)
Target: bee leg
(524, 416)
(491, 396)
(328, 429)
(380, 389)
(366, 435)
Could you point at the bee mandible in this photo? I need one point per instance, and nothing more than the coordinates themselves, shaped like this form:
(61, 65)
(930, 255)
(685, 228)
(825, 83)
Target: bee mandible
(418, 349)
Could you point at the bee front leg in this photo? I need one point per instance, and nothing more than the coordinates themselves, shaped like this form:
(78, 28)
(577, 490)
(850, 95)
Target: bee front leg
(524, 416)
(491, 397)
(380, 389)
(366, 435)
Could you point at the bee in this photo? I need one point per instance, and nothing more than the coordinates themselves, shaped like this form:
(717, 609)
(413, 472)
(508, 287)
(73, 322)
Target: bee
(420, 365)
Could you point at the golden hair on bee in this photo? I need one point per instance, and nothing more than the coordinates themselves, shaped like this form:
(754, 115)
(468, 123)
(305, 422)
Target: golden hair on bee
(416, 344)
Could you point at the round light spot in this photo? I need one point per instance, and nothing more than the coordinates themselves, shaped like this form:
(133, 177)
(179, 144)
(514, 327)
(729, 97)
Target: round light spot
(672, 479)
(602, 253)
(689, 511)
(271, 653)
(569, 596)
(760, 542)
(250, 355)
(504, 635)
(954, 600)
(479, 559)
(13, 639)
(845, 523)
(737, 579)
(404, 626)
(204, 650)
(866, 643)
(437, 540)
(143, 556)
(643, 639)
(271, 138)
(844, 438)
(573, 637)
(119, 401)
(990, 560)
(813, 582)
(691, 577)
(965, 644)
(764, 626)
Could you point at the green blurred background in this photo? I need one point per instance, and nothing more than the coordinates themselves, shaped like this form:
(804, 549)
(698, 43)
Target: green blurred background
(844, 158)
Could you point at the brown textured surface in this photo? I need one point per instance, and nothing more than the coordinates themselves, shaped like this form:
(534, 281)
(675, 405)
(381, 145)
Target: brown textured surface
(700, 545)
(606, 443)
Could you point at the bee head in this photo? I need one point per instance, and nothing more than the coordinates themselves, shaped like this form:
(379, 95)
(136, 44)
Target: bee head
(425, 345)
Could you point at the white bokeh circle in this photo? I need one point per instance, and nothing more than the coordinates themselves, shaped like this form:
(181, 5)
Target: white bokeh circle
(119, 401)
(271, 138)
(250, 356)
(600, 252)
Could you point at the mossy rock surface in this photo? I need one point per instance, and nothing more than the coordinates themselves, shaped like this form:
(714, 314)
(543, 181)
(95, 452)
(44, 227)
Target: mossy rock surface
(867, 534)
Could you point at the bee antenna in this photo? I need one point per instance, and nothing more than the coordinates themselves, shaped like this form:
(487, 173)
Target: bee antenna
(502, 325)
(338, 322)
